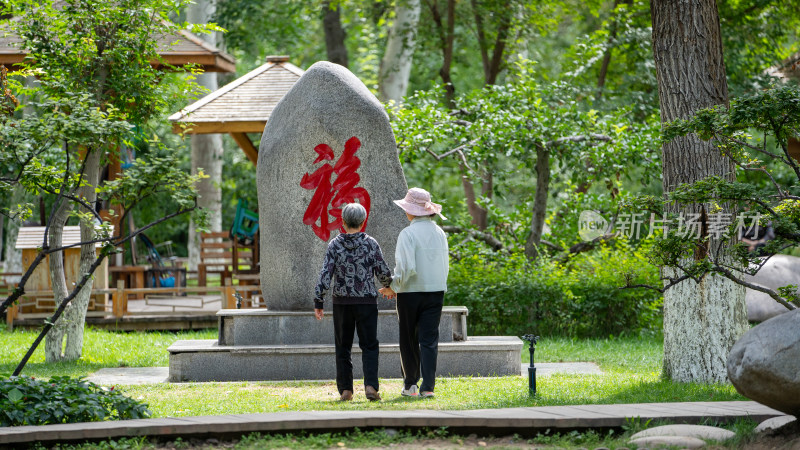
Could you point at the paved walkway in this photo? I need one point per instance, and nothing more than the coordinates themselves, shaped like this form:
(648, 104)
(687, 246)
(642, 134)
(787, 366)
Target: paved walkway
(152, 375)
(498, 422)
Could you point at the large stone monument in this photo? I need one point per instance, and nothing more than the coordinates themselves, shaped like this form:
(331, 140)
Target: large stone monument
(327, 142)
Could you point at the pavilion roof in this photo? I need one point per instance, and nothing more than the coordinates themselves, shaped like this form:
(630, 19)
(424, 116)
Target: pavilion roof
(32, 237)
(176, 49)
(243, 105)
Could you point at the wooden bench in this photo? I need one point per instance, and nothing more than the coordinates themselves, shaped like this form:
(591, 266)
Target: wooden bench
(216, 256)
(246, 272)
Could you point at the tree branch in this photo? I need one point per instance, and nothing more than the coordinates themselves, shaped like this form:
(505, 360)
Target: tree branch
(490, 240)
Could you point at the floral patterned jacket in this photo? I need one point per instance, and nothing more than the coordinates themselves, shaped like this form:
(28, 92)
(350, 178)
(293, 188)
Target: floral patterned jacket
(351, 262)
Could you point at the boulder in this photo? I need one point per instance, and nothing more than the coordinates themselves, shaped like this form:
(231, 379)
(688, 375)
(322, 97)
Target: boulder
(695, 431)
(774, 423)
(764, 365)
(780, 270)
(327, 141)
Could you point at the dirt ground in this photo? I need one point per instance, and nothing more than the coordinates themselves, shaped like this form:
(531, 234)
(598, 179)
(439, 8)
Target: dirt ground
(784, 438)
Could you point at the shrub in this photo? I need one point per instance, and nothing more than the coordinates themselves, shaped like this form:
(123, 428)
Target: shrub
(511, 295)
(28, 401)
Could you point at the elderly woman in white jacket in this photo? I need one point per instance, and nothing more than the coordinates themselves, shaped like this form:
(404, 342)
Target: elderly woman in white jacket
(420, 281)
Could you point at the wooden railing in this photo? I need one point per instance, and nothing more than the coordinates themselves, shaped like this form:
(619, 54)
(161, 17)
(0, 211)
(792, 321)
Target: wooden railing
(173, 301)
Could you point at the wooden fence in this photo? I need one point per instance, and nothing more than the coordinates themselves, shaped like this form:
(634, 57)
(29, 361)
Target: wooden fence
(164, 301)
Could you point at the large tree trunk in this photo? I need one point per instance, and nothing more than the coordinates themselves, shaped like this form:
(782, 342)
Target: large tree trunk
(396, 63)
(701, 320)
(492, 64)
(334, 34)
(54, 341)
(12, 258)
(74, 316)
(612, 38)
(446, 31)
(206, 148)
(539, 202)
(480, 217)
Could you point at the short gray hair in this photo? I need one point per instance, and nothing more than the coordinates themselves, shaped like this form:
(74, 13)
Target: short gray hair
(353, 215)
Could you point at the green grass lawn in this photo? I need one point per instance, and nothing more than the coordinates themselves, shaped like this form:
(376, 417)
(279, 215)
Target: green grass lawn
(631, 369)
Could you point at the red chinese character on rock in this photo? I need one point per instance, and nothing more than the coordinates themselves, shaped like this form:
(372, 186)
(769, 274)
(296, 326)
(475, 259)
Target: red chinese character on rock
(336, 194)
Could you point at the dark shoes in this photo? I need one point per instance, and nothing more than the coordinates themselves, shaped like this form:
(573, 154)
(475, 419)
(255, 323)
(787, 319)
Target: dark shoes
(371, 393)
(346, 396)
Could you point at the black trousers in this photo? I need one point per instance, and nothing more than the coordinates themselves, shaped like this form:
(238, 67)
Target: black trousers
(364, 320)
(419, 314)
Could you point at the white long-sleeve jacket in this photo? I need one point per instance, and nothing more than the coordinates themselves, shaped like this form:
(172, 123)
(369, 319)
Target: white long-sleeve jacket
(421, 258)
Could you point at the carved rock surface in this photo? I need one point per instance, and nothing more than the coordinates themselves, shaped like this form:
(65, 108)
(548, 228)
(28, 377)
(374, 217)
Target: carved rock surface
(328, 139)
(780, 270)
(764, 365)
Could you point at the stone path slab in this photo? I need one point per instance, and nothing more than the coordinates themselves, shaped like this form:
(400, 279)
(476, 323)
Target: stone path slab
(155, 375)
(522, 421)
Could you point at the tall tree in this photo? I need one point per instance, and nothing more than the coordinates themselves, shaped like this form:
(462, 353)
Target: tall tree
(397, 58)
(206, 148)
(702, 319)
(334, 33)
(89, 55)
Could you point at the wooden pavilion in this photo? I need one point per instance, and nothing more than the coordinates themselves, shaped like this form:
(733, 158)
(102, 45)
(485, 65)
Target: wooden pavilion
(242, 106)
(177, 49)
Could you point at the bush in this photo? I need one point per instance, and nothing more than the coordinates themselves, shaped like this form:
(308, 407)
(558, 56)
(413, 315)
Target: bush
(28, 401)
(510, 295)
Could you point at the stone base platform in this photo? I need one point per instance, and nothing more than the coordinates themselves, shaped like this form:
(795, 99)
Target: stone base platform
(239, 327)
(206, 360)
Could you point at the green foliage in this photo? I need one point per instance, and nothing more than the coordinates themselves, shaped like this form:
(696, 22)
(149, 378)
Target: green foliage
(623, 39)
(753, 132)
(101, 49)
(30, 401)
(99, 75)
(510, 295)
(500, 131)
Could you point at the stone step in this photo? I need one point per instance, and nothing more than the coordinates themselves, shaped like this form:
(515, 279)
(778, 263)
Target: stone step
(265, 327)
(206, 360)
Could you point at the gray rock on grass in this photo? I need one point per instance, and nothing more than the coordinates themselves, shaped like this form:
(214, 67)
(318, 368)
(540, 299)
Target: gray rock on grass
(774, 423)
(764, 365)
(327, 105)
(780, 270)
(696, 431)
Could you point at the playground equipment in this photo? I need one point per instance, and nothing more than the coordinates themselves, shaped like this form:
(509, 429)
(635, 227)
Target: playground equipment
(160, 275)
(245, 224)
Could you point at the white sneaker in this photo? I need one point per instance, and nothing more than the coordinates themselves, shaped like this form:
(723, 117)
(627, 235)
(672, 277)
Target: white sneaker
(413, 391)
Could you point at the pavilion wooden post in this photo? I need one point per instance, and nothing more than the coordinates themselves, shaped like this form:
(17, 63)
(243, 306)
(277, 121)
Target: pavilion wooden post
(246, 144)
(228, 299)
(11, 313)
(117, 300)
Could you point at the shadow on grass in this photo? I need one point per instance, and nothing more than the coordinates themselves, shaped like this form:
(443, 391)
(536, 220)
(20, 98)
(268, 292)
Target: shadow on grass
(666, 391)
(73, 369)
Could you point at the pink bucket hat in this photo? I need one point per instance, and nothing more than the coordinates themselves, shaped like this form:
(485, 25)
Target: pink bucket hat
(418, 203)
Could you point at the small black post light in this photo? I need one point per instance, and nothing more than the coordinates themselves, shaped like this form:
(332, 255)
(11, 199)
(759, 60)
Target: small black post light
(531, 369)
(239, 299)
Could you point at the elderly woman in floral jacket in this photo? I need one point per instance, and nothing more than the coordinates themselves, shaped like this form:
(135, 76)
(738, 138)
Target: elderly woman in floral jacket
(352, 261)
